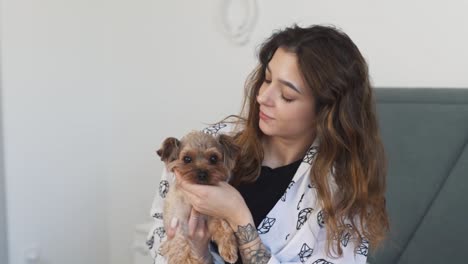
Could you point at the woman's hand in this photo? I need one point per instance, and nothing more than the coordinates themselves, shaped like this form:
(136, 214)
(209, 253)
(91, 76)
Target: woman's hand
(224, 201)
(220, 201)
(198, 233)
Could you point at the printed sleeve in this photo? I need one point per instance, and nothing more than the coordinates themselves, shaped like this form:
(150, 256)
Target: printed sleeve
(157, 233)
(220, 128)
(314, 251)
(351, 254)
(317, 254)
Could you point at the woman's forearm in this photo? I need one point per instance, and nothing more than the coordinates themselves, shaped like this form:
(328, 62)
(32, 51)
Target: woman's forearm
(250, 245)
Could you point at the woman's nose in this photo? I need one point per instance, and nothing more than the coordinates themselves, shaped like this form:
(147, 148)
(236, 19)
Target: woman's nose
(264, 96)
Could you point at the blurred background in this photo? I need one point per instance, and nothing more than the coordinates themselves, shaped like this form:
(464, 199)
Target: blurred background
(89, 89)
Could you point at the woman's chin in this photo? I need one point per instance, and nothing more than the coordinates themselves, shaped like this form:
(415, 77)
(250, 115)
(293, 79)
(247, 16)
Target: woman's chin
(265, 128)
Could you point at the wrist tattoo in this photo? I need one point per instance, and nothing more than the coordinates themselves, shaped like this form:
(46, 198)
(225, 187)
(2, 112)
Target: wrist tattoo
(256, 254)
(251, 247)
(246, 234)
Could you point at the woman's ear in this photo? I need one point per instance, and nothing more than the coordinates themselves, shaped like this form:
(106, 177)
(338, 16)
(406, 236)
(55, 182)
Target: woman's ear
(169, 149)
(230, 150)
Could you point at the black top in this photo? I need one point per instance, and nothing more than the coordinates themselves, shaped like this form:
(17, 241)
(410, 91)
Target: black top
(262, 195)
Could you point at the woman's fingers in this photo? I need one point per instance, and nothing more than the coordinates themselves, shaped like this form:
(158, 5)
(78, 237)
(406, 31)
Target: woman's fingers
(202, 227)
(193, 222)
(176, 175)
(172, 228)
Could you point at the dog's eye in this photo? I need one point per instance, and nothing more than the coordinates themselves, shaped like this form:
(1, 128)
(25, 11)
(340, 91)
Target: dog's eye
(187, 159)
(213, 159)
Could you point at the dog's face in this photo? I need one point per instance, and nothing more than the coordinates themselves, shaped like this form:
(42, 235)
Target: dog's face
(199, 157)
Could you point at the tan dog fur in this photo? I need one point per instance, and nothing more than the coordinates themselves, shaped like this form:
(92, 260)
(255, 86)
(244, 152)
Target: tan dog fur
(202, 159)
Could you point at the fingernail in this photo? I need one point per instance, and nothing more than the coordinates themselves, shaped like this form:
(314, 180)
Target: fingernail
(174, 222)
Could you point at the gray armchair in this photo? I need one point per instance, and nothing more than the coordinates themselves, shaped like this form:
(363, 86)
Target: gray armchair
(425, 133)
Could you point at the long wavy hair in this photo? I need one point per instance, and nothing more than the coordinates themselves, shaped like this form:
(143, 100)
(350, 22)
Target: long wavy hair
(350, 143)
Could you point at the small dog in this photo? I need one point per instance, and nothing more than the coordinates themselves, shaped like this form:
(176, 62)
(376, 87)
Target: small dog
(202, 159)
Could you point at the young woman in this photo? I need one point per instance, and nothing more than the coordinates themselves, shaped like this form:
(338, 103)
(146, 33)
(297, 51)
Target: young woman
(309, 185)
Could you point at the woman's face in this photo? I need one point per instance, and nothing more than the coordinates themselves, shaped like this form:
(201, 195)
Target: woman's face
(286, 103)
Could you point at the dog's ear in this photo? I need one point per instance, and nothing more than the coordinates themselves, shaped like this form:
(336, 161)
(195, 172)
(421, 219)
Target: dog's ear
(169, 149)
(230, 149)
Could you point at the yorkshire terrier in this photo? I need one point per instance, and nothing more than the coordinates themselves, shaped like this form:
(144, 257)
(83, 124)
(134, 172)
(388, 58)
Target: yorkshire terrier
(198, 158)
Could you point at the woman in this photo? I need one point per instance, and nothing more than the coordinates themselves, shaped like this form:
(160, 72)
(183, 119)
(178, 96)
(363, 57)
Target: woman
(309, 184)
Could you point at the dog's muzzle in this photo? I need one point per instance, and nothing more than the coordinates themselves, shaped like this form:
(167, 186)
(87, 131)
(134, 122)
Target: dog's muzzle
(202, 176)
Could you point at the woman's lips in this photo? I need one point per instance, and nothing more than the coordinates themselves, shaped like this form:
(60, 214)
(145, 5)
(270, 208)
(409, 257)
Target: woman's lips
(263, 116)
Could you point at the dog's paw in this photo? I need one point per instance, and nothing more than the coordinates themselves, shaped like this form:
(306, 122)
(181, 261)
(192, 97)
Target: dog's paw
(228, 253)
(164, 248)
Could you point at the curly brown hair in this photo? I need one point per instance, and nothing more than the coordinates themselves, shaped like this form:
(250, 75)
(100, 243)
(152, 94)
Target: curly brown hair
(346, 122)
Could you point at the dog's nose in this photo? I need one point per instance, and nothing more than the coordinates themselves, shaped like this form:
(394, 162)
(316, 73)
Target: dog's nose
(202, 175)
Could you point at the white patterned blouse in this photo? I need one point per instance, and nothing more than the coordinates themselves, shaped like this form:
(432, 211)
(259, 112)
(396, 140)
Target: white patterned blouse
(293, 230)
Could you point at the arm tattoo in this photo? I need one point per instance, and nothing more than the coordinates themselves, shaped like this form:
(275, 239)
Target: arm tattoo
(246, 234)
(255, 254)
(251, 247)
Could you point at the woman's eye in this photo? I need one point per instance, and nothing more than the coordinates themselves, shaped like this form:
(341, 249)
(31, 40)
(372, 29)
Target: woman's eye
(287, 99)
(213, 159)
(267, 81)
(187, 159)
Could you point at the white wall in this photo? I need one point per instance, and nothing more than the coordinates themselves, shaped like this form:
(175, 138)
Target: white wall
(3, 224)
(91, 88)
